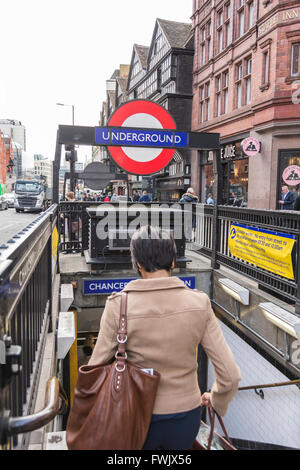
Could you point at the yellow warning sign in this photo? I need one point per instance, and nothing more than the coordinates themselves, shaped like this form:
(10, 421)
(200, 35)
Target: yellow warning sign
(266, 249)
(54, 247)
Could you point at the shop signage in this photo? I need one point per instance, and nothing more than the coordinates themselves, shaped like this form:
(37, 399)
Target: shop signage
(146, 115)
(108, 286)
(251, 146)
(227, 152)
(291, 175)
(265, 249)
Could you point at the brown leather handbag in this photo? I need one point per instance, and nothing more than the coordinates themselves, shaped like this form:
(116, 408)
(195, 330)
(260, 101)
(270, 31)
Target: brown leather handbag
(209, 439)
(113, 403)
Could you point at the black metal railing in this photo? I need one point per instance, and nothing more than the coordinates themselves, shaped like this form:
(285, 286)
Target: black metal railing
(74, 222)
(210, 238)
(27, 267)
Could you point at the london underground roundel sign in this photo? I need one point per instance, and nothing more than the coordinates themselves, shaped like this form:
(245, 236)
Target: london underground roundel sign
(148, 156)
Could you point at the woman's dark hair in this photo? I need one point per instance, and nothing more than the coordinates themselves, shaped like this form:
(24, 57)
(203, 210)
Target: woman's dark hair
(153, 248)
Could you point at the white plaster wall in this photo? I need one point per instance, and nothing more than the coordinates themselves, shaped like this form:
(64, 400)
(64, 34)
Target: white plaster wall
(274, 419)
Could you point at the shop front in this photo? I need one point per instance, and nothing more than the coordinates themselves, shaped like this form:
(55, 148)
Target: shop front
(171, 190)
(234, 174)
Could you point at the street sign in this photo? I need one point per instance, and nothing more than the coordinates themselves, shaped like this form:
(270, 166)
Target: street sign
(251, 146)
(108, 286)
(97, 176)
(146, 115)
(291, 175)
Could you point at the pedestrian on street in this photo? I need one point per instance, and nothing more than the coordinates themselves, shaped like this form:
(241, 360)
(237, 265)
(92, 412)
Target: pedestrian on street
(145, 197)
(107, 197)
(166, 323)
(210, 199)
(136, 196)
(287, 199)
(114, 197)
(73, 224)
(297, 202)
(190, 197)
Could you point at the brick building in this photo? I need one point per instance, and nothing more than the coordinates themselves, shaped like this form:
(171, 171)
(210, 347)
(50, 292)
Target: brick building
(6, 157)
(246, 83)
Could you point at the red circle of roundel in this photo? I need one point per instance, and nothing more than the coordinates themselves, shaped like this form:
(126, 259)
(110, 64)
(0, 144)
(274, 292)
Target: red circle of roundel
(117, 153)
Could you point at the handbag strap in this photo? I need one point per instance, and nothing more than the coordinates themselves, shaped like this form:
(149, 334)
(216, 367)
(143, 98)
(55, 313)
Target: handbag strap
(121, 355)
(212, 413)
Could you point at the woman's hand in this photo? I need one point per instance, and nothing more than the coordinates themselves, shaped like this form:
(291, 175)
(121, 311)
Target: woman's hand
(206, 400)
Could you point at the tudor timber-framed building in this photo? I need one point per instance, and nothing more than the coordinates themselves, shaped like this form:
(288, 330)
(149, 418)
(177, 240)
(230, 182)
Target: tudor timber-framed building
(163, 73)
(247, 83)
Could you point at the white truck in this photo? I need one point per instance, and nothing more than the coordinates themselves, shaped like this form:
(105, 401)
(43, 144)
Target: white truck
(30, 195)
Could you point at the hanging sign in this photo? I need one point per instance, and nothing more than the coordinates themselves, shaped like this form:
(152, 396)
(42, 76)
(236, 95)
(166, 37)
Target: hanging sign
(251, 146)
(291, 175)
(158, 130)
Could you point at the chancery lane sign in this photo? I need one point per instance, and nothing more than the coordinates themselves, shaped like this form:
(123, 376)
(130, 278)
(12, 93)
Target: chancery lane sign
(96, 286)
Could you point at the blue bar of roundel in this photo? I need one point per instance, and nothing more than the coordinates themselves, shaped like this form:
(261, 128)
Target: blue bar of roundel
(102, 135)
(141, 137)
(108, 286)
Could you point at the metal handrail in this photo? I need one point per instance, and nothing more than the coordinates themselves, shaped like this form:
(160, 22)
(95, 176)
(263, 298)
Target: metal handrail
(54, 391)
(275, 384)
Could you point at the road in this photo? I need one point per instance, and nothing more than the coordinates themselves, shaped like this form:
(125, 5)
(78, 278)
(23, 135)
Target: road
(12, 222)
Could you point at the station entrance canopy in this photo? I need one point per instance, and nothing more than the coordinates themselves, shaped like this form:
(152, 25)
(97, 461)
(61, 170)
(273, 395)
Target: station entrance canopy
(141, 138)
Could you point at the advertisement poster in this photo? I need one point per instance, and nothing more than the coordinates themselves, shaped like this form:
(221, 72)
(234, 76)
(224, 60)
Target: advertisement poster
(265, 249)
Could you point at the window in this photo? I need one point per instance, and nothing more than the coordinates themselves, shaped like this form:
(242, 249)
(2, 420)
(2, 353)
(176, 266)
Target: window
(201, 100)
(243, 82)
(223, 27)
(225, 90)
(187, 169)
(218, 96)
(295, 69)
(204, 49)
(266, 61)
(203, 54)
(207, 101)
(227, 25)
(204, 98)
(241, 22)
(238, 84)
(251, 14)
(221, 88)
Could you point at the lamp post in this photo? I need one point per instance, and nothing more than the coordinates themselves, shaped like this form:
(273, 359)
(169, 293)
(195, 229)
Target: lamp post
(72, 106)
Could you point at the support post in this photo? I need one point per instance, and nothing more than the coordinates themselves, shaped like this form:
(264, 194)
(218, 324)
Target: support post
(218, 195)
(297, 305)
(56, 168)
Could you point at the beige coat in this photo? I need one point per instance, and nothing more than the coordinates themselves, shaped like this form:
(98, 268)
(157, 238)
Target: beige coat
(166, 322)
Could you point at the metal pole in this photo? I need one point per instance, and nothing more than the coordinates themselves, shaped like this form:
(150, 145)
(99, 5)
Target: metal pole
(297, 305)
(56, 167)
(72, 172)
(218, 194)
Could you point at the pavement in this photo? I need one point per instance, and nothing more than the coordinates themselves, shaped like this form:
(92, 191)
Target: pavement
(12, 222)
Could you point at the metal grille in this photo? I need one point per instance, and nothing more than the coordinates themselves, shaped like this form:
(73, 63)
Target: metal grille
(27, 201)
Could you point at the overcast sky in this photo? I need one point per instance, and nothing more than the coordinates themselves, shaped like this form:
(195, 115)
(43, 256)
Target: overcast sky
(64, 51)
